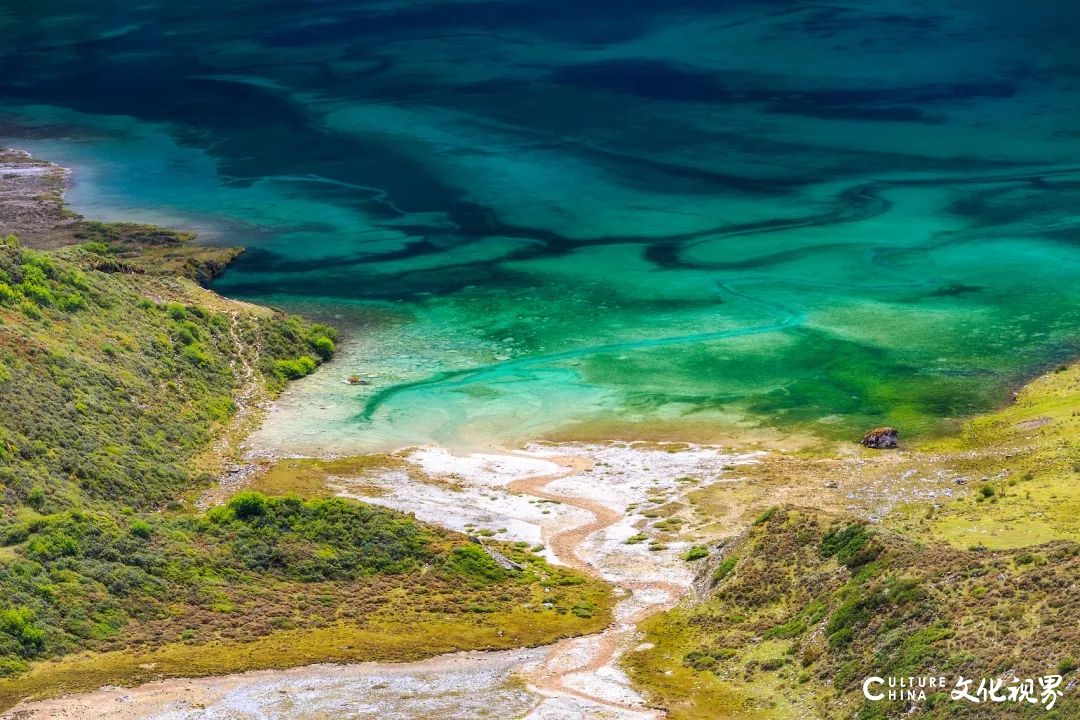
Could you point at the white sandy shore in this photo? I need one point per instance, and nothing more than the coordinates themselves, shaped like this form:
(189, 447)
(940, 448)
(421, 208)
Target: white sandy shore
(461, 686)
(576, 679)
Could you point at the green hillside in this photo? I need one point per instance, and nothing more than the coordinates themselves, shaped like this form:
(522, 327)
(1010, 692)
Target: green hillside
(807, 605)
(979, 581)
(119, 379)
(112, 381)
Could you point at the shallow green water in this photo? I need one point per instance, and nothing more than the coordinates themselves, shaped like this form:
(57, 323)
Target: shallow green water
(535, 214)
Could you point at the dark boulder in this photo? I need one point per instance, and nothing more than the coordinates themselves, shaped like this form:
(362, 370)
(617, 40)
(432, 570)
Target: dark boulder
(882, 438)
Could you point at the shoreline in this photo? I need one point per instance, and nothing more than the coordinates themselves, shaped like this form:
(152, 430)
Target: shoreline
(739, 431)
(471, 493)
(554, 681)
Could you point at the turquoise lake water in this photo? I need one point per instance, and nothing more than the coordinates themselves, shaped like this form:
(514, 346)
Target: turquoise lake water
(541, 216)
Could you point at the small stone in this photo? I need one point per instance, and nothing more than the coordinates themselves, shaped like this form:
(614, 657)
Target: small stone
(882, 438)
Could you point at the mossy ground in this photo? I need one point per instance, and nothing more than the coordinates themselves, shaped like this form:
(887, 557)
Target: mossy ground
(384, 640)
(1028, 455)
(313, 477)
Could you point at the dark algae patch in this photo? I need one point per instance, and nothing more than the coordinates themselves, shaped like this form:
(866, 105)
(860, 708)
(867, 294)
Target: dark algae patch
(583, 212)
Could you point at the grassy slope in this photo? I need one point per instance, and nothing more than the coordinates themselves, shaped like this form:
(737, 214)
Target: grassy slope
(115, 378)
(982, 583)
(275, 582)
(112, 381)
(1029, 455)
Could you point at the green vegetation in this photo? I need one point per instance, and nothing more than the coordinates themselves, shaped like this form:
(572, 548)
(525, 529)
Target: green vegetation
(309, 477)
(135, 248)
(399, 630)
(977, 583)
(1027, 457)
(115, 380)
(696, 553)
(315, 341)
(91, 580)
(838, 601)
(108, 394)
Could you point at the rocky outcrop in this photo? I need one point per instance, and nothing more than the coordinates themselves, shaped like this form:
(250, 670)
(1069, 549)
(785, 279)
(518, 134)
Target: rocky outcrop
(31, 198)
(882, 438)
(501, 560)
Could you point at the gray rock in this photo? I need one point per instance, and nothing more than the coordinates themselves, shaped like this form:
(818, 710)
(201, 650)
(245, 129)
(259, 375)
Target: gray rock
(882, 438)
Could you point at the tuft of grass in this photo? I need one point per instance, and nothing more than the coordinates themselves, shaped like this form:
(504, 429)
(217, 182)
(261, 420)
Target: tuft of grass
(696, 553)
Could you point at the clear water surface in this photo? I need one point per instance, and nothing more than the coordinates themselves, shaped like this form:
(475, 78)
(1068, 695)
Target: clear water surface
(543, 216)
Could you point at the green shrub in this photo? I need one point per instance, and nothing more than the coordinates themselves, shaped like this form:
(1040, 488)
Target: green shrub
(812, 614)
(473, 562)
(35, 498)
(841, 637)
(38, 260)
(30, 310)
(177, 311)
(850, 545)
(249, 504)
(850, 613)
(196, 353)
(98, 248)
(187, 333)
(764, 517)
(723, 569)
(12, 666)
(140, 528)
(294, 369)
(695, 553)
(18, 624)
(324, 346)
(905, 590)
(73, 302)
(52, 546)
(40, 294)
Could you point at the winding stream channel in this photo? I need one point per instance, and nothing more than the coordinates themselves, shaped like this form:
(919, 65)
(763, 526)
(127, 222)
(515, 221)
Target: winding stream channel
(581, 501)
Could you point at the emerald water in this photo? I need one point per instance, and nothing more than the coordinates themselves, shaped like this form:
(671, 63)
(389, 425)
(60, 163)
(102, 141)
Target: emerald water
(540, 216)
